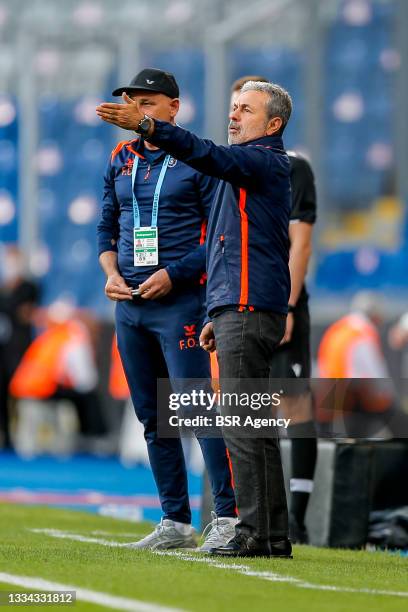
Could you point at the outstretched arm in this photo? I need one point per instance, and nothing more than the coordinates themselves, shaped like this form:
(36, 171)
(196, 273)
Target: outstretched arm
(238, 165)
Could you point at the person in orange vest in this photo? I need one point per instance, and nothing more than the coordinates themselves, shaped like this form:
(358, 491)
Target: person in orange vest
(118, 387)
(60, 364)
(351, 349)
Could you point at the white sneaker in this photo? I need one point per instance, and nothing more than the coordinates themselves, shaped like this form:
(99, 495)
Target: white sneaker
(167, 535)
(218, 532)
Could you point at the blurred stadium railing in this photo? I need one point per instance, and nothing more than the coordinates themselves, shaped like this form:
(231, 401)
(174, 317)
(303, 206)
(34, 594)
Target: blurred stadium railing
(342, 61)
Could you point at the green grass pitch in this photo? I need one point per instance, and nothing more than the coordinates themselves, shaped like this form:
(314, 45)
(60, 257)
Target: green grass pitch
(317, 580)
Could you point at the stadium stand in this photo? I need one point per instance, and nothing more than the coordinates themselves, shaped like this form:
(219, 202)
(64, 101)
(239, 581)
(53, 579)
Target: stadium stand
(72, 72)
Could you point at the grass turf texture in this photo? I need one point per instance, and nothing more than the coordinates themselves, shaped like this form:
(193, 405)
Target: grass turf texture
(170, 581)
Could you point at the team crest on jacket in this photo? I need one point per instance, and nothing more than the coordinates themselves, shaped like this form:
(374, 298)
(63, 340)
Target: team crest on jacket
(127, 168)
(172, 162)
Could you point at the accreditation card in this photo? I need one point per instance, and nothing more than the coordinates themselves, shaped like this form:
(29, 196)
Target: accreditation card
(146, 246)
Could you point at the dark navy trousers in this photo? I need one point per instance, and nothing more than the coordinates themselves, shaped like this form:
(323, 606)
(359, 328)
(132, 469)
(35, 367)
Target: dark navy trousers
(159, 339)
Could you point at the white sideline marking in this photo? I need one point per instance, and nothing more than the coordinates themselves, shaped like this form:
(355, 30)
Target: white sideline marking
(273, 577)
(95, 597)
(119, 534)
(65, 535)
(245, 570)
(240, 569)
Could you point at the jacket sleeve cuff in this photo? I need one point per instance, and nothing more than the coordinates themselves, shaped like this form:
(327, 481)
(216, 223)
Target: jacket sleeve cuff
(174, 272)
(163, 132)
(207, 319)
(106, 244)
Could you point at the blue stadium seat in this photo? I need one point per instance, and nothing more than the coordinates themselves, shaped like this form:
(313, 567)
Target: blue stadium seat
(187, 64)
(281, 65)
(353, 65)
(8, 171)
(85, 149)
(336, 272)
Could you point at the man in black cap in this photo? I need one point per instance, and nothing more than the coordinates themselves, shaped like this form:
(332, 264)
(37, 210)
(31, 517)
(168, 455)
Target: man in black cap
(152, 80)
(151, 246)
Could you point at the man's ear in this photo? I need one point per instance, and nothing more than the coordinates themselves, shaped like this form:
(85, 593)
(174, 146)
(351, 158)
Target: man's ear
(174, 107)
(274, 125)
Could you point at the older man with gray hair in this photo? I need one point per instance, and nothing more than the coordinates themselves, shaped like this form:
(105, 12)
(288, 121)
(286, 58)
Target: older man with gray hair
(248, 283)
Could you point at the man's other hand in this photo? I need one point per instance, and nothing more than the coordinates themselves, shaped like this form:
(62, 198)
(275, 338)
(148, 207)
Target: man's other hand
(290, 322)
(156, 286)
(116, 289)
(127, 115)
(207, 339)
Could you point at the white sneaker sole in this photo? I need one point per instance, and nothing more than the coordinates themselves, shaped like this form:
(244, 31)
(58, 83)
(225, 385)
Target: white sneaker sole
(187, 545)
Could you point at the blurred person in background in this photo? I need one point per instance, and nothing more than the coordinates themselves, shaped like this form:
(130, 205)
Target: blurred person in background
(19, 297)
(292, 358)
(398, 341)
(351, 349)
(398, 334)
(248, 284)
(157, 330)
(60, 364)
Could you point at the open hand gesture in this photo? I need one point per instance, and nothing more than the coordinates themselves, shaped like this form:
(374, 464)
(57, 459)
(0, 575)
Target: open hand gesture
(127, 115)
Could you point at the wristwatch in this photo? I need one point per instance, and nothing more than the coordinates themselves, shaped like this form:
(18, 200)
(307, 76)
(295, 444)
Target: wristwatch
(291, 308)
(144, 126)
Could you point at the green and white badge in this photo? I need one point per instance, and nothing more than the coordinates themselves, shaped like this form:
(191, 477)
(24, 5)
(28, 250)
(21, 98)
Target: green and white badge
(146, 239)
(146, 246)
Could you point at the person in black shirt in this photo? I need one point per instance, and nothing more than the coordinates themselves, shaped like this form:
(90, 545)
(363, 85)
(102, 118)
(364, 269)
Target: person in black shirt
(293, 356)
(292, 359)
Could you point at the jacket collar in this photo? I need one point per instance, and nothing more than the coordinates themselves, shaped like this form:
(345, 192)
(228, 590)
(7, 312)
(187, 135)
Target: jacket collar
(139, 146)
(274, 142)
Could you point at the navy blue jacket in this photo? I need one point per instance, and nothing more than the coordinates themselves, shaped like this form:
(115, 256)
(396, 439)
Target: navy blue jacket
(247, 236)
(185, 203)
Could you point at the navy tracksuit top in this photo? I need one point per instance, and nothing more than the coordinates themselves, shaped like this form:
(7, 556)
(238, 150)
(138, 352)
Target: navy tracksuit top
(159, 338)
(184, 206)
(247, 236)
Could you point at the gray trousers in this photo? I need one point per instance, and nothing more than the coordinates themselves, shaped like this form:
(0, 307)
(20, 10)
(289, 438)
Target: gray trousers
(245, 348)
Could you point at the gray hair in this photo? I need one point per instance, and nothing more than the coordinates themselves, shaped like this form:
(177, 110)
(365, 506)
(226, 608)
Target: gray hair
(367, 303)
(279, 102)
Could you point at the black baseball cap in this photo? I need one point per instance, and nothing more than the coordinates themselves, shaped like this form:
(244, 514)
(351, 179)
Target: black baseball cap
(151, 79)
